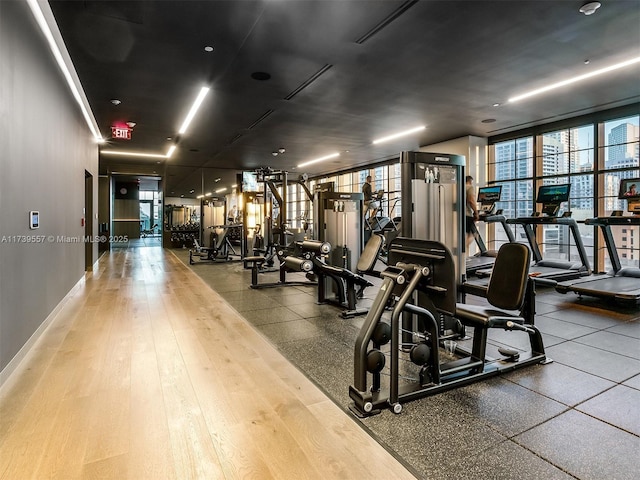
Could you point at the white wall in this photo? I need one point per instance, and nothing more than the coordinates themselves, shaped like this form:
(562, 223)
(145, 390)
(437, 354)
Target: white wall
(475, 149)
(45, 148)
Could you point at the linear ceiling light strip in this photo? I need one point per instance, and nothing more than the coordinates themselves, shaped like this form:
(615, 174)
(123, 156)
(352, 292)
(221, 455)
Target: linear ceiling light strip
(133, 154)
(317, 160)
(575, 79)
(194, 108)
(49, 28)
(398, 135)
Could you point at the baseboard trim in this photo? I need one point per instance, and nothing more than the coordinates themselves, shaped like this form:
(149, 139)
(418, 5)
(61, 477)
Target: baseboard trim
(19, 359)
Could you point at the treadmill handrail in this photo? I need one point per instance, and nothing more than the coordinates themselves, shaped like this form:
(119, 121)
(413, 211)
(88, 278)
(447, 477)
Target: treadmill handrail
(502, 220)
(605, 224)
(527, 223)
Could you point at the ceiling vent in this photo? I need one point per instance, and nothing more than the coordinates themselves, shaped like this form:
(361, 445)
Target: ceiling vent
(260, 119)
(308, 81)
(395, 14)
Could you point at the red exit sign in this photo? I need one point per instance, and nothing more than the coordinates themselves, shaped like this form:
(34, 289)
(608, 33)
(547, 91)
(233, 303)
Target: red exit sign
(121, 132)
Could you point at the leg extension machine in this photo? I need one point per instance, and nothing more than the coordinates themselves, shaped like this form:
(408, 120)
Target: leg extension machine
(426, 266)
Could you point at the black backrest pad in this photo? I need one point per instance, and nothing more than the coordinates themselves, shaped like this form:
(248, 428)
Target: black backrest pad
(509, 278)
(367, 260)
(440, 286)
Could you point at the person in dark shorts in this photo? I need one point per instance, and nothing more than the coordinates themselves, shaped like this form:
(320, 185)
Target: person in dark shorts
(471, 210)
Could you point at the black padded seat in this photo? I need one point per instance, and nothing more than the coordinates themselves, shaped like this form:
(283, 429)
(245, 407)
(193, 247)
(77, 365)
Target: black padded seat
(488, 317)
(343, 273)
(505, 293)
(253, 259)
(367, 261)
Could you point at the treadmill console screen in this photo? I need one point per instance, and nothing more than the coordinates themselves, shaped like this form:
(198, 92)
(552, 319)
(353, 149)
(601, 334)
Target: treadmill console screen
(553, 193)
(630, 191)
(489, 194)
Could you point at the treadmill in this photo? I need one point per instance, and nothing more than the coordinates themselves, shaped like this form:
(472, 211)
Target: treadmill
(487, 198)
(550, 272)
(622, 285)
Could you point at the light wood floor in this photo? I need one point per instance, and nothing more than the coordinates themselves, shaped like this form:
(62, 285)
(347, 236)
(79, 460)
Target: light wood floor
(147, 373)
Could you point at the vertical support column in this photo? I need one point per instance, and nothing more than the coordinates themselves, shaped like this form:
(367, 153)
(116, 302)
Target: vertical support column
(406, 177)
(283, 209)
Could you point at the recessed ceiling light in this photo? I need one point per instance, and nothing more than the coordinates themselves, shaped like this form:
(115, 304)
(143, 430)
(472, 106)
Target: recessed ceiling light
(281, 150)
(192, 191)
(208, 48)
(399, 134)
(590, 8)
(488, 120)
(575, 79)
(496, 104)
(261, 76)
(115, 101)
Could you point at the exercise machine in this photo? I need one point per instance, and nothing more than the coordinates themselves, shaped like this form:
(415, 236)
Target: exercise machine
(621, 285)
(433, 208)
(298, 260)
(433, 201)
(150, 232)
(338, 220)
(547, 271)
(417, 367)
(383, 221)
(221, 250)
(487, 199)
(347, 286)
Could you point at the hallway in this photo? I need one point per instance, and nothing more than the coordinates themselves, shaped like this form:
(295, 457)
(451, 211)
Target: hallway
(147, 374)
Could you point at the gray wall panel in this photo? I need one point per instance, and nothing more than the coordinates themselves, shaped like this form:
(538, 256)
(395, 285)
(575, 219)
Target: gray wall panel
(45, 148)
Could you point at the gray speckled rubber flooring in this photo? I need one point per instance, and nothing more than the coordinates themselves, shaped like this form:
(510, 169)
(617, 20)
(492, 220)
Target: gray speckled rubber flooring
(578, 417)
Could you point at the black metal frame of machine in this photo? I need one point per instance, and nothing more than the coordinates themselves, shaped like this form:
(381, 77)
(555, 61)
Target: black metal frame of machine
(222, 251)
(427, 267)
(552, 271)
(622, 285)
(487, 198)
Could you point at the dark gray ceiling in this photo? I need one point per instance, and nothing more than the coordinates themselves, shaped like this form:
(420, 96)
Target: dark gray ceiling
(343, 72)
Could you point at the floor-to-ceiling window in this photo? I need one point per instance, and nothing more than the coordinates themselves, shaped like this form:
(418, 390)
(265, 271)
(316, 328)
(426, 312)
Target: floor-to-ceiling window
(566, 156)
(592, 157)
(511, 165)
(619, 160)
